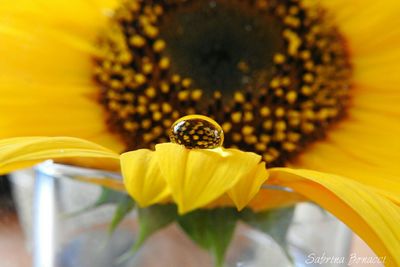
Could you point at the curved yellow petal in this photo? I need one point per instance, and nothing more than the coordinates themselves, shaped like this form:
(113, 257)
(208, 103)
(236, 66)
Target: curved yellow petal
(248, 186)
(198, 176)
(142, 177)
(17, 153)
(372, 216)
(367, 161)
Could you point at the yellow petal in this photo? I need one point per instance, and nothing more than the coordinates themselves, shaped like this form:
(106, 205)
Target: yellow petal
(17, 153)
(274, 198)
(248, 186)
(46, 80)
(372, 216)
(198, 176)
(265, 199)
(142, 177)
(327, 157)
(358, 20)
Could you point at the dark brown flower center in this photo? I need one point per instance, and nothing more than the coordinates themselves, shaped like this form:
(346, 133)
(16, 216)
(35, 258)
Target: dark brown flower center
(221, 45)
(275, 74)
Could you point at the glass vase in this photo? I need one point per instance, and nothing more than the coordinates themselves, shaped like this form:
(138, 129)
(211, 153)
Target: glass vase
(62, 232)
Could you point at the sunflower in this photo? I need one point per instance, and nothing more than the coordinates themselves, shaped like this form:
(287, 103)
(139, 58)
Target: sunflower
(302, 83)
(305, 84)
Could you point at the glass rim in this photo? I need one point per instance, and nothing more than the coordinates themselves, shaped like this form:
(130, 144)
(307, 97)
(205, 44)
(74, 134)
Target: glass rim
(61, 170)
(56, 170)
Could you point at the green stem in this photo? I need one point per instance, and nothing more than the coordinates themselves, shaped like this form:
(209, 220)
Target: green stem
(218, 262)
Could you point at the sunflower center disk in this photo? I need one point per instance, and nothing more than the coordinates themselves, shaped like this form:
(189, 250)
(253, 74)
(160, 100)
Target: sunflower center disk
(275, 74)
(221, 45)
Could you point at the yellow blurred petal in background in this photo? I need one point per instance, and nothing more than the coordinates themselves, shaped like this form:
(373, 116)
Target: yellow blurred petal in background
(17, 153)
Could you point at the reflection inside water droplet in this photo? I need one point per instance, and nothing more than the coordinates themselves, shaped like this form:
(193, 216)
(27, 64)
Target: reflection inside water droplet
(197, 131)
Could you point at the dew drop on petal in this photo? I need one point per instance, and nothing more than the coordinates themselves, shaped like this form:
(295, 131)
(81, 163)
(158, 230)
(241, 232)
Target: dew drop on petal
(197, 131)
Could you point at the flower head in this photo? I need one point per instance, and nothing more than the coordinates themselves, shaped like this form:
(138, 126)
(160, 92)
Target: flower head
(193, 178)
(306, 84)
(267, 75)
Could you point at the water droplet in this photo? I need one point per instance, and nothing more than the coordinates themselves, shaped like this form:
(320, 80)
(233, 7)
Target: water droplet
(197, 131)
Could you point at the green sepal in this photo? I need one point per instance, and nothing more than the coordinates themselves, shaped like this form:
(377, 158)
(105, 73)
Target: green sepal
(107, 196)
(211, 229)
(274, 222)
(124, 204)
(152, 219)
(124, 207)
